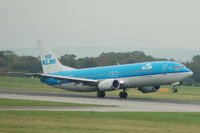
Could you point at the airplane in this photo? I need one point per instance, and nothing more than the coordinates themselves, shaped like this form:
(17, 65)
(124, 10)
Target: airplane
(147, 77)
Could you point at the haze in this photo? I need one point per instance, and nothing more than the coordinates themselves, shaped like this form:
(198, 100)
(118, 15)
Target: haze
(123, 24)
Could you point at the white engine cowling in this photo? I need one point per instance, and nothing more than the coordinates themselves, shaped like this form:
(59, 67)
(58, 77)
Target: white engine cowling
(108, 85)
(149, 89)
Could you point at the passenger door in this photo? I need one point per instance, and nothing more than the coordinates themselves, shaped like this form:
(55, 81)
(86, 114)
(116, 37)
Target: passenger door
(165, 69)
(113, 74)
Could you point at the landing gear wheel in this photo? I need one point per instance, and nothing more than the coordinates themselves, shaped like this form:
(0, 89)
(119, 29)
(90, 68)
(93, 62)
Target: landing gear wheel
(120, 94)
(123, 94)
(174, 90)
(101, 94)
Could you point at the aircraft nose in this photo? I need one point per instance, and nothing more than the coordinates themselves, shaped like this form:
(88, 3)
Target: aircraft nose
(190, 73)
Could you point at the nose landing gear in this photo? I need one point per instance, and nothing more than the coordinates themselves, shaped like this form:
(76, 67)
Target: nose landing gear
(174, 90)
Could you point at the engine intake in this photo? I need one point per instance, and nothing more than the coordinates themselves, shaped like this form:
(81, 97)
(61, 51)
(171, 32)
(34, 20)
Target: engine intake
(108, 85)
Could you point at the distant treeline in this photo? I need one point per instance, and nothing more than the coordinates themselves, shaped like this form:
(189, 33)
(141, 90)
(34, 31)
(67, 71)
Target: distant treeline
(9, 61)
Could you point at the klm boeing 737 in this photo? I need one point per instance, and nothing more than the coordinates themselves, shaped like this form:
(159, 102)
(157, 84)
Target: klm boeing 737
(146, 77)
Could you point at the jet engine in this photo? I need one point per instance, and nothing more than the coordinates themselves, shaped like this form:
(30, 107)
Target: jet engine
(149, 89)
(108, 85)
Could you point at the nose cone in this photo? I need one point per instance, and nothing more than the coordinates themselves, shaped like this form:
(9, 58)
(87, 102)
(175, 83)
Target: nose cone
(190, 73)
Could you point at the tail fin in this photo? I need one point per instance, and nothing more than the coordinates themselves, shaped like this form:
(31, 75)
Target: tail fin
(49, 61)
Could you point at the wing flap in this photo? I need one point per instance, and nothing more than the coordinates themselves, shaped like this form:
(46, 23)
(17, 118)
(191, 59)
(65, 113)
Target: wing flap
(72, 79)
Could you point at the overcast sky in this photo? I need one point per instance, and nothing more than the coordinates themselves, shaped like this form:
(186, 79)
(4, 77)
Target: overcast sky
(101, 23)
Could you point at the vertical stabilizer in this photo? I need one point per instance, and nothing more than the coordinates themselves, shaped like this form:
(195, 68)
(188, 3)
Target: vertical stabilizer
(49, 62)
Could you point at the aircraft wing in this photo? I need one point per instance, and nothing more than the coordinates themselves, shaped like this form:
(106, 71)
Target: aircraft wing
(63, 78)
(72, 79)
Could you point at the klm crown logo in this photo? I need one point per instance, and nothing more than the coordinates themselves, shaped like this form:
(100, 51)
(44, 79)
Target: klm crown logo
(48, 56)
(147, 67)
(48, 60)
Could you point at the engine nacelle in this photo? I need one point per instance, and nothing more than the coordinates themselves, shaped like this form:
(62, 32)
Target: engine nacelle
(149, 89)
(108, 85)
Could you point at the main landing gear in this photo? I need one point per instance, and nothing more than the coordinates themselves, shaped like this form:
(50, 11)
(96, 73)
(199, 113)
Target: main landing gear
(101, 94)
(123, 94)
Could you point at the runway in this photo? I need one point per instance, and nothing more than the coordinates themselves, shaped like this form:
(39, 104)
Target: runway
(116, 104)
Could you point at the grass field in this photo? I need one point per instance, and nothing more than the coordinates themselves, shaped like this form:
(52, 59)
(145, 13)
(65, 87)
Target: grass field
(93, 122)
(14, 83)
(98, 122)
(15, 102)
